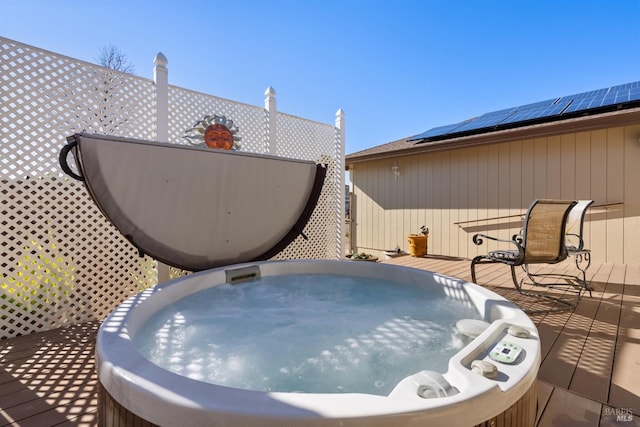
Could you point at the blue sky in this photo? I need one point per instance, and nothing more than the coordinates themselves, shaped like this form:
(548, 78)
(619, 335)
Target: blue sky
(397, 68)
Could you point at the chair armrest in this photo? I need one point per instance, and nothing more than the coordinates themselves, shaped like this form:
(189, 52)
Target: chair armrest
(516, 240)
(478, 239)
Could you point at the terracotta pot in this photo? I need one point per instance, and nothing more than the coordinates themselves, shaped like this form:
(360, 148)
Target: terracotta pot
(417, 244)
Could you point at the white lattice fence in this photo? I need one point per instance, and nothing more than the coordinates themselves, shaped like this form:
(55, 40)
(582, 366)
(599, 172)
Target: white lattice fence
(46, 97)
(303, 139)
(61, 261)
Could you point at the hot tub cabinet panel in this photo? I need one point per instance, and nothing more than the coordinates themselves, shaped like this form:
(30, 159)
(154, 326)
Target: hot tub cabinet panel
(133, 390)
(520, 414)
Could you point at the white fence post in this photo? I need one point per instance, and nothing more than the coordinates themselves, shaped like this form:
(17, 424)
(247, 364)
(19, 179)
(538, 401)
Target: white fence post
(340, 134)
(270, 106)
(161, 79)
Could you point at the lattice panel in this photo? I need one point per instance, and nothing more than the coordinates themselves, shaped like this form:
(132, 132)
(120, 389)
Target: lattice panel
(303, 139)
(187, 107)
(46, 97)
(61, 262)
(320, 230)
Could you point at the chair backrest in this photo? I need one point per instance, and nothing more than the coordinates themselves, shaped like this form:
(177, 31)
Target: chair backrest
(574, 239)
(544, 231)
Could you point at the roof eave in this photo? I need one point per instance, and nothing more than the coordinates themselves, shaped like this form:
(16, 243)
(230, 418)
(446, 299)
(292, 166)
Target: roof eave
(578, 124)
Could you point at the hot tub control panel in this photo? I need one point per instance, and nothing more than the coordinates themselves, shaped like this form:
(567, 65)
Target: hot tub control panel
(506, 352)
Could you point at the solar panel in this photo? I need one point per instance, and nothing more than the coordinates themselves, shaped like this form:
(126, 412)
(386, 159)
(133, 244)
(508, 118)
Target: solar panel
(591, 103)
(589, 94)
(538, 104)
(598, 100)
(606, 97)
(437, 131)
(632, 85)
(580, 104)
(529, 114)
(485, 121)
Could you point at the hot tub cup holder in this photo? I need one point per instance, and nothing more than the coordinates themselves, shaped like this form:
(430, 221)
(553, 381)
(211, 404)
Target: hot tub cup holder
(485, 368)
(471, 328)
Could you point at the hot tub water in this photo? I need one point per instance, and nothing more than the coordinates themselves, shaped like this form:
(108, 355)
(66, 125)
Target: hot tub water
(306, 333)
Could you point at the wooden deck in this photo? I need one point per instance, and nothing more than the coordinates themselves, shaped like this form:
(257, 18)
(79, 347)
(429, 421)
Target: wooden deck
(590, 373)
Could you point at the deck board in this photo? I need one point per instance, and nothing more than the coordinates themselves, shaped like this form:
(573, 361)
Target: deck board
(591, 355)
(568, 409)
(49, 378)
(588, 377)
(544, 395)
(559, 362)
(592, 375)
(626, 366)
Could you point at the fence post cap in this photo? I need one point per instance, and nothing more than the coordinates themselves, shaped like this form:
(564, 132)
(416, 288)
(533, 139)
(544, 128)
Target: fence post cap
(160, 60)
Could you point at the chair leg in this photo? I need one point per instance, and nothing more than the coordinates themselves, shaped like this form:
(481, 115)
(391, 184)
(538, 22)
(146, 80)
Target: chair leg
(581, 285)
(532, 276)
(473, 271)
(565, 305)
(579, 258)
(516, 282)
(475, 261)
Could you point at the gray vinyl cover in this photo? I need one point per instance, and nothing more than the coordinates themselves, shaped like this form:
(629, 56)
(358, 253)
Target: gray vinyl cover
(194, 207)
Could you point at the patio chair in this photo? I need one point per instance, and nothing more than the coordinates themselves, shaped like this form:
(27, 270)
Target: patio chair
(542, 241)
(574, 242)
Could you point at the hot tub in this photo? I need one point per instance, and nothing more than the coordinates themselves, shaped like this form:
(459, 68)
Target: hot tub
(133, 389)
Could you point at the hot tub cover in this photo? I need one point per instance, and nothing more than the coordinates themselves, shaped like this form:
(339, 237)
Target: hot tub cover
(196, 208)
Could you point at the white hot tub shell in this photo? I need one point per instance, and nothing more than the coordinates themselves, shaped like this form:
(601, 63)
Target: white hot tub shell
(132, 387)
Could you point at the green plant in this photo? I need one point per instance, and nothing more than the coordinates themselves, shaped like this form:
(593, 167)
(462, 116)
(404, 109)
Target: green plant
(40, 280)
(362, 255)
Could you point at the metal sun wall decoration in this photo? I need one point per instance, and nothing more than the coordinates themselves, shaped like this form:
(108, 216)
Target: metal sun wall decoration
(214, 132)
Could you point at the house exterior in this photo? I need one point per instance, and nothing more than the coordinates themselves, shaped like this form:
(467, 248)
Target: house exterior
(458, 183)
